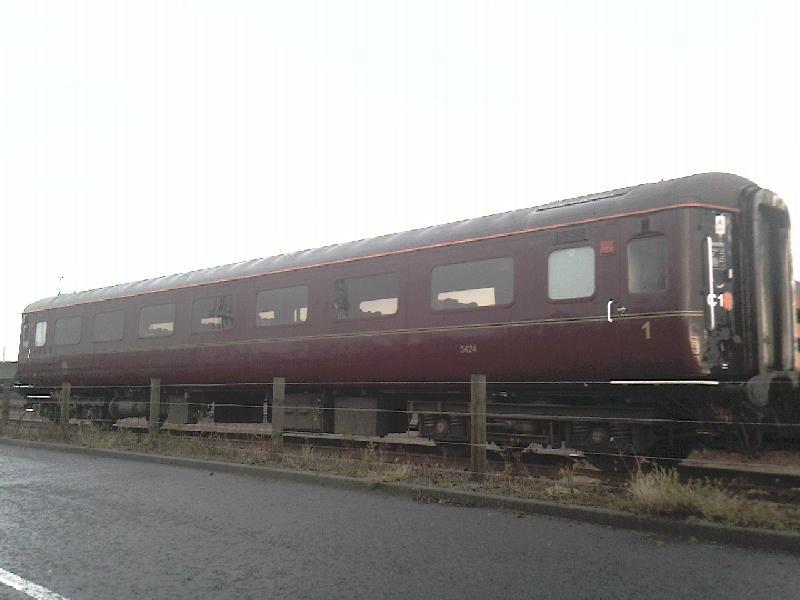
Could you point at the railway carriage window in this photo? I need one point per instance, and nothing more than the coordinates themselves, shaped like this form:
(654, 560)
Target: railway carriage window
(68, 331)
(157, 320)
(212, 314)
(41, 334)
(647, 264)
(570, 273)
(474, 284)
(285, 306)
(109, 326)
(372, 296)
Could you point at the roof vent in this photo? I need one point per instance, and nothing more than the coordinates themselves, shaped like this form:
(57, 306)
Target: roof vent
(584, 199)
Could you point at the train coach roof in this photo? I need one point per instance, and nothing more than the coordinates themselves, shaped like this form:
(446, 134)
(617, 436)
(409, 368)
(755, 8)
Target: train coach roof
(713, 188)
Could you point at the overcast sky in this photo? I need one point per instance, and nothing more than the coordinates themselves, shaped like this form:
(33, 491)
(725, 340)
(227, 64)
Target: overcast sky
(143, 138)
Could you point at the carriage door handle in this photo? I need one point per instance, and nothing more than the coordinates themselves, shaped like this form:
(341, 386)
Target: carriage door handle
(620, 310)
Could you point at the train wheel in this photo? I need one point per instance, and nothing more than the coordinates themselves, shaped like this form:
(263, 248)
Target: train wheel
(441, 428)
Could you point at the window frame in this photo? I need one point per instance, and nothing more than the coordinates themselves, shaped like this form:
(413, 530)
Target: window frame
(36, 343)
(648, 235)
(158, 335)
(581, 244)
(278, 289)
(332, 305)
(94, 326)
(460, 309)
(215, 330)
(80, 330)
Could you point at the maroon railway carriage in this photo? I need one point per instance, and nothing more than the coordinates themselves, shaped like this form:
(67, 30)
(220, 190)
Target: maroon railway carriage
(590, 317)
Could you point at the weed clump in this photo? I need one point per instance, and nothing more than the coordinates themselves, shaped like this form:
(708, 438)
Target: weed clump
(660, 492)
(376, 468)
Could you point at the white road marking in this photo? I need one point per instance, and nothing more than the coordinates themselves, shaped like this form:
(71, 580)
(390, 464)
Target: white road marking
(28, 587)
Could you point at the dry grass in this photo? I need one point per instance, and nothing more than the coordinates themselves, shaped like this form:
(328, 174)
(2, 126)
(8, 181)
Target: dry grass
(658, 492)
(368, 463)
(568, 488)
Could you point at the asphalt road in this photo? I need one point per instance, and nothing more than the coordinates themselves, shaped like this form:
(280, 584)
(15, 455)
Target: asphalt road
(90, 527)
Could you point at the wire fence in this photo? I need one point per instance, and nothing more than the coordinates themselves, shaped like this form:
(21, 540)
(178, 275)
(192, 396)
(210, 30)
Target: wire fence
(468, 421)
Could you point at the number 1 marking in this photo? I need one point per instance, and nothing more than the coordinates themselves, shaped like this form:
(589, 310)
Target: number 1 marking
(646, 328)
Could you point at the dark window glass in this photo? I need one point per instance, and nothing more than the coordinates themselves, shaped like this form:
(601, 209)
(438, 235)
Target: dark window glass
(473, 284)
(647, 264)
(570, 273)
(373, 296)
(68, 331)
(285, 306)
(157, 320)
(109, 326)
(41, 334)
(212, 314)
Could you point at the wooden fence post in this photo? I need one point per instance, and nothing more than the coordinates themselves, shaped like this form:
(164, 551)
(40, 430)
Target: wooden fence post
(66, 391)
(6, 402)
(154, 422)
(278, 400)
(477, 409)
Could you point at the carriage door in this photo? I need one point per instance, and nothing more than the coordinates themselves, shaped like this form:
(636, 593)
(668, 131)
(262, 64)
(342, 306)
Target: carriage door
(644, 311)
(582, 277)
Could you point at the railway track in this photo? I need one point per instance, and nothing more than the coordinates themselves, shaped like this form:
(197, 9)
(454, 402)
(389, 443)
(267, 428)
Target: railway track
(777, 481)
